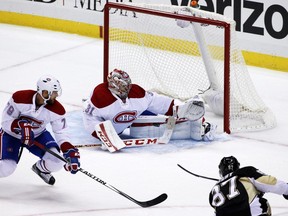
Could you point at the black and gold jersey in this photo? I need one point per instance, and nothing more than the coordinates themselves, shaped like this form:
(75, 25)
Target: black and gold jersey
(240, 193)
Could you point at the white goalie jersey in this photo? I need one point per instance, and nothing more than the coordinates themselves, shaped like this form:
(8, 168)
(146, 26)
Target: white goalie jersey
(103, 105)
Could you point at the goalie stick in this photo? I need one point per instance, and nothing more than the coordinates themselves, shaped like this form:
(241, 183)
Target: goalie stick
(128, 142)
(164, 139)
(143, 204)
(200, 176)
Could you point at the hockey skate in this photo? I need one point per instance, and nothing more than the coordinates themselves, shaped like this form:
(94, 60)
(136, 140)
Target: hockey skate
(47, 177)
(209, 131)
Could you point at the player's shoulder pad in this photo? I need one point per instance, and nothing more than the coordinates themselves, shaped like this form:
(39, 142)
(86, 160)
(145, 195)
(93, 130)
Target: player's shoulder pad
(56, 108)
(24, 96)
(101, 96)
(248, 171)
(136, 91)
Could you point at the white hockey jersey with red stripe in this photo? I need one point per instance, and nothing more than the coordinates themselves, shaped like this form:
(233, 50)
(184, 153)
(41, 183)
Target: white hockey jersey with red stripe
(103, 105)
(22, 105)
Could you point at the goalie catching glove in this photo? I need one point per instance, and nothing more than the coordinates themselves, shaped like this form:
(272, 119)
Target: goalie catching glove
(192, 109)
(72, 155)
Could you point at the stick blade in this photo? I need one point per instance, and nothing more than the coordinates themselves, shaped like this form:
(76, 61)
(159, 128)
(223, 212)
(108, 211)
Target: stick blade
(161, 198)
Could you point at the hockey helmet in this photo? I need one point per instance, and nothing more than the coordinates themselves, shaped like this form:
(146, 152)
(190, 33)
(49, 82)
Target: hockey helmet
(119, 83)
(228, 165)
(50, 84)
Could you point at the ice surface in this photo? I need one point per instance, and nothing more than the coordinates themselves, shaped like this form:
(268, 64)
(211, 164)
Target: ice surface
(143, 173)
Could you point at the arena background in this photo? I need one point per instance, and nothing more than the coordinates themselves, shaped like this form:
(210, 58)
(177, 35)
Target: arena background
(262, 26)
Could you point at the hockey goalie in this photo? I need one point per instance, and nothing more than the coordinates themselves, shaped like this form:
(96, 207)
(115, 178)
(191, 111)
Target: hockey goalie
(124, 104)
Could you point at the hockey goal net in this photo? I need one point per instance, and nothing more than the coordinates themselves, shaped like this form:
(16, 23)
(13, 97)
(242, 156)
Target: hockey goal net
(181, 52)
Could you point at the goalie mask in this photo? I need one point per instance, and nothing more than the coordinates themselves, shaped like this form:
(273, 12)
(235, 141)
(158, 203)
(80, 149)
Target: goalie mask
(49, 84)
(228, 165)
(119, 83)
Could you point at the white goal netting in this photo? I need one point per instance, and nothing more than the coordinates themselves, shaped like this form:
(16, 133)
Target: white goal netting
(182, 61)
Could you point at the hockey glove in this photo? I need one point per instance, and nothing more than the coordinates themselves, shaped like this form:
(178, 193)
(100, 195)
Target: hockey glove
(72, 155)
(26, 130)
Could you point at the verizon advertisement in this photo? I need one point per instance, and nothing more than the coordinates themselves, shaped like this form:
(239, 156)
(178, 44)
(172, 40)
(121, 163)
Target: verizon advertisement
(261, 25)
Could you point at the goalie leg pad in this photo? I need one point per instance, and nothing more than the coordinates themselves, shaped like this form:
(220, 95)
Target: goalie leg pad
(181, 130)
(197, 130)
(147, 130)
(154, 126)
(202, 130)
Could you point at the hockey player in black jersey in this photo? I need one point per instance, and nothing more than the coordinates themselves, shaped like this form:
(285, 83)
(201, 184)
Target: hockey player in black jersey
(240, 191)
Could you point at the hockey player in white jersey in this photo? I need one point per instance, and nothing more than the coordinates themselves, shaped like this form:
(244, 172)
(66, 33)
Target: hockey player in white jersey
(24, 121)
(122, 102)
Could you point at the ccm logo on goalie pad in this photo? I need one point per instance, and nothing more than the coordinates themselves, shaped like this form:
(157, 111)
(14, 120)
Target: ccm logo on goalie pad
(104, 139)
(140, 142)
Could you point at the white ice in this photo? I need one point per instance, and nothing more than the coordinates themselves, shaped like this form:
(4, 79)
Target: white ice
(143, 173)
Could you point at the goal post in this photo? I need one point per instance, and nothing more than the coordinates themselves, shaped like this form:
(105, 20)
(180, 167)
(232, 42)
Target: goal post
(178, 51)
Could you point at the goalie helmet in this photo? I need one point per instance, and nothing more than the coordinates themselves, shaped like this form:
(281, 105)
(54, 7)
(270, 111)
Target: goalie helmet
(50, 84)
(228, 165)
(119, 83)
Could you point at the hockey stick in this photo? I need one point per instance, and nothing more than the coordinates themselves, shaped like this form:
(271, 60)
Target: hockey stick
(128, 142)
(164, 139)
(200, 176)
(143, 204)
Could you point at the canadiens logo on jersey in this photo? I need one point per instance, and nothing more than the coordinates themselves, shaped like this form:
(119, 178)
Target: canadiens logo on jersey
(125, 117)
(35, 123)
